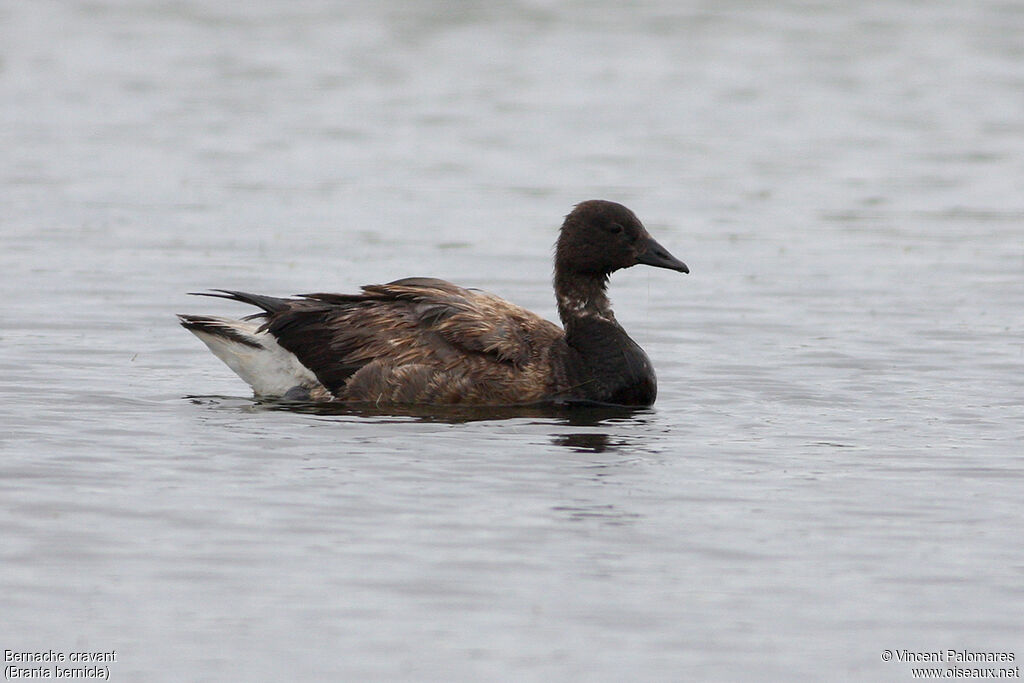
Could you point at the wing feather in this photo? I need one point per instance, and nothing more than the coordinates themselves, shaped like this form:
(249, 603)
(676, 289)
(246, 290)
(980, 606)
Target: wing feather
(421, 322)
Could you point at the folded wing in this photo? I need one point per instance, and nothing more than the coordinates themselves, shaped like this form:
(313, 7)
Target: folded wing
(414, 340)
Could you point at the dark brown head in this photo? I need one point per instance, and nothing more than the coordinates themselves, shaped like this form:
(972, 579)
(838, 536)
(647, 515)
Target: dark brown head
(600, 237)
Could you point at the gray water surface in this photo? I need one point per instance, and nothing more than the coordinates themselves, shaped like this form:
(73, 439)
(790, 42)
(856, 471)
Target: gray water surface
(834, 464)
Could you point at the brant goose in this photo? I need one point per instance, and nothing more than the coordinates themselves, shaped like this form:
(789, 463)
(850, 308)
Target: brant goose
(427, 341)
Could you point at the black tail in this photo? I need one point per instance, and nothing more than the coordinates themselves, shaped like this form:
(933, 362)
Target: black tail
(269, 304)
(198, 323)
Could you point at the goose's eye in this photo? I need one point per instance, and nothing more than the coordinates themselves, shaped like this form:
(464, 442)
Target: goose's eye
(615, 228)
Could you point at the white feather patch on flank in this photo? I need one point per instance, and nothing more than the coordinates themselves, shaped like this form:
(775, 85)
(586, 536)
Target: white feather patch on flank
(266, 366)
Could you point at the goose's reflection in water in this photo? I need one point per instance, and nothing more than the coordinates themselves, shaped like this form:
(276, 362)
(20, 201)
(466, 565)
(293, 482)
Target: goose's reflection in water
(575, 416)
(589, 442)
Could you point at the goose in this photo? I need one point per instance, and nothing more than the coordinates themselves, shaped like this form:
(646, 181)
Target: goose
(423, 340)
